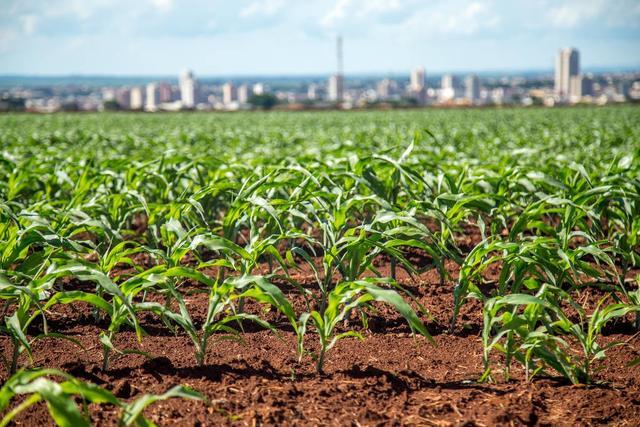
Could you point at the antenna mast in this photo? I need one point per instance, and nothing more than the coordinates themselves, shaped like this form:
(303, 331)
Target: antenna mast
(340, 59)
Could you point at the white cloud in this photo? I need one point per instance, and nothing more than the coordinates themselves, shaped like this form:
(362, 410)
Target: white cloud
(162, 5)
(416, 17)
(573, 13)
(337, 13)
(81, 9)
(262, 7)
(344, 11)
(474, 17)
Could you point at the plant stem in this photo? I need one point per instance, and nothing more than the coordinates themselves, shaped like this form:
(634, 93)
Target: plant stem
(14, 357)
(105, 356)
(200, 358)
(320, 362)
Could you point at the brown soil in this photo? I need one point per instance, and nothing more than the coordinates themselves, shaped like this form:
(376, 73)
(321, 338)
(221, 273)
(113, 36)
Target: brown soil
(390, 378)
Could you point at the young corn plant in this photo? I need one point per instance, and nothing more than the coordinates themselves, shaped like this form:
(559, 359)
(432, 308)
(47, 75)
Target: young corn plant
(349, 250)
(535, 331)
(28, 296)
(117, 302)
(222, 314)
(342, 299)
(38, 385)
(539, 258)
(27, 300)
(401, 230)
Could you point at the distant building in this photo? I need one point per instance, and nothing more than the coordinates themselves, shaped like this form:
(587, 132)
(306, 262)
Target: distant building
(623, 88)
(151, 102)
(123, 97)
(164, 93)
(588, 86)
(567, 66)
(137, 99)
(108, 94)
(447, 90)
(336, 88)
(187, 89)
(259, 89)
(575, 88)
(417, 88)
(228, 93)
(417, 79)
(312, 92)
(385, 89)
(472, 88)
(446, 81)
(499, 96)
(634, 91)
(243, 94)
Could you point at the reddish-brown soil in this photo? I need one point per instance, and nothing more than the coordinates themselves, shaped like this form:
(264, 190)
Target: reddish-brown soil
(390, 378)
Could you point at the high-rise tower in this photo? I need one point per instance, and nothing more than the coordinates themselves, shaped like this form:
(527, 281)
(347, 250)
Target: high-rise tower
(567, 66)
(417, 79)
(187, 89)
(336, 81)
(472, 88)
(150, 103)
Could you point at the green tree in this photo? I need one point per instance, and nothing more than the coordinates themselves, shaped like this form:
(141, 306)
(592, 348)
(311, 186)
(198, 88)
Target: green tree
(264, 102)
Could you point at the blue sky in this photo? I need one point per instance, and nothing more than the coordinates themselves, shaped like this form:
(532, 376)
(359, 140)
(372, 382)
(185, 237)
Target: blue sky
(222, 37)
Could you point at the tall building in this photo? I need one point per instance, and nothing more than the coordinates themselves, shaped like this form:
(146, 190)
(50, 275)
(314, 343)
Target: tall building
(312, 91)
(587, 85)
(136, 100)
(498, 95)
(447, 91)
(623, 88)
(244, 92)
(151, 102)
(123, 97)
(384, 89)
(336, 81)
(575, 88)
(417, 79)
(228, 93)
(472, 88)
(187, 89)
(446, 81)
(164, 92)
(336, 88)
(567, 66)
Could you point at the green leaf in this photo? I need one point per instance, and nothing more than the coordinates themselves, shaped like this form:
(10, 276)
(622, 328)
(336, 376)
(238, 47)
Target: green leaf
(68, 297)
(133, 411)
(16, 329)
(62, 409)
(391, 297)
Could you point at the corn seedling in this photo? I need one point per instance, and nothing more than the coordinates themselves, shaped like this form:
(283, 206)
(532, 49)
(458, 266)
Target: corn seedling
(348, 296)
(37, 386)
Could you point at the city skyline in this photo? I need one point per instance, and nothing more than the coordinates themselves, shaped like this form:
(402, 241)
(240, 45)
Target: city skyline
(282, 37)
(570, 85)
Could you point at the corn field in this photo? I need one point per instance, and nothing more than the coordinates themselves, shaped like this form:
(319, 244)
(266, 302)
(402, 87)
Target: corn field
(313, 230)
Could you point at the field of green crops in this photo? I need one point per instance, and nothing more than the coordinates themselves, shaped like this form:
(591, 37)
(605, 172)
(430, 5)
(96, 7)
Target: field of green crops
(126, 214)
